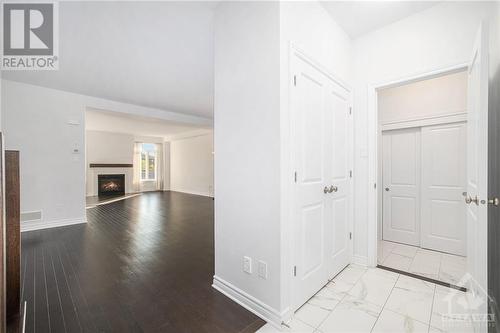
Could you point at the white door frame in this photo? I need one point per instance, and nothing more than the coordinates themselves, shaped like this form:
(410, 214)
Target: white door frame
(373, 147)
(296, 51)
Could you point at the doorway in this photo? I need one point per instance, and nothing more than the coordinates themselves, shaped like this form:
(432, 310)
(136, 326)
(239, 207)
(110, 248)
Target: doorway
(422, 172)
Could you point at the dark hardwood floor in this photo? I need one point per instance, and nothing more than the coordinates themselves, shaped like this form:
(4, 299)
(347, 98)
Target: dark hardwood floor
(144, 264)
(92, 201)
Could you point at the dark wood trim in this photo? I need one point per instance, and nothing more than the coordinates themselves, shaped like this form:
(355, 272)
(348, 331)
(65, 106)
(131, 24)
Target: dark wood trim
(110, 165)
(3, 317)
(16, 323)
(424, 278)
(13, 233)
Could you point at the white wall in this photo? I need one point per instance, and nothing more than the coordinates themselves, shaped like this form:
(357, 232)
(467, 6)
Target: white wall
(166, 166)
(440, 96)
(247, 148)
(114, 148)
(331, 46)
(441, 36)
(46, 125)
(252, 152)
(106, 147)
(192, 165)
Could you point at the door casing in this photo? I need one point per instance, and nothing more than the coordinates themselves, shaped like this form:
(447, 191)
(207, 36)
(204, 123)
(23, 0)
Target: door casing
(374, 184)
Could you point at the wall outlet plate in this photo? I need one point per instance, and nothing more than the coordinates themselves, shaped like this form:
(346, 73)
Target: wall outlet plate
(262, 268)
(247, 265)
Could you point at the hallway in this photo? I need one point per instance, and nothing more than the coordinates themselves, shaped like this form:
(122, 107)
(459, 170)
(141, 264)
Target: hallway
(375, 300)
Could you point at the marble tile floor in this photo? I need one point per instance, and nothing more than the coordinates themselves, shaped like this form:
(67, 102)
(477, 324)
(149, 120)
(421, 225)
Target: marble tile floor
(375, 300)
(432, 264)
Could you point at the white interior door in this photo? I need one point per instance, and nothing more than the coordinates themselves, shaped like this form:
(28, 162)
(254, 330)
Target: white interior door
(443, 223)
(339, 200)
(323, 186)
(477, 165)
(401, 179)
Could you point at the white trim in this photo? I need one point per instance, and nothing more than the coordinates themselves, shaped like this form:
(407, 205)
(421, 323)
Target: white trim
(188, 135)
(204, 194)
(130, 109)
(24, 317)
(425, 121)
(295, 49)
(143, 111)
(250, 303)
(373, 137)
(40, 224)
(446, 70)
(360, 260)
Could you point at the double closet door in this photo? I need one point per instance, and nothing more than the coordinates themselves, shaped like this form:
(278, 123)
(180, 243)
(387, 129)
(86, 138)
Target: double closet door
(322, 131)
(424, 177)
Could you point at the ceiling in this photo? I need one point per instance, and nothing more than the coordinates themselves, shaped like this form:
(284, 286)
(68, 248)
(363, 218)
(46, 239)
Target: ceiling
(160, 54)
(109, 121)
(154, 54)
(360, 17)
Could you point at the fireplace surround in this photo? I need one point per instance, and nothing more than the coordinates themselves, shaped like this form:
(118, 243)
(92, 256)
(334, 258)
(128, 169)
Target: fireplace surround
(111, 184)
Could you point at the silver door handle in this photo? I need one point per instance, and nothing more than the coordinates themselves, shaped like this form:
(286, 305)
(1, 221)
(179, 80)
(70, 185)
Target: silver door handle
(325, 190)
(495, 202)
(469, 200)
(333, 189)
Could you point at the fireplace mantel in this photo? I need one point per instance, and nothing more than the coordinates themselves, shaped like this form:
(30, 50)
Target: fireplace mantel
(110, 165)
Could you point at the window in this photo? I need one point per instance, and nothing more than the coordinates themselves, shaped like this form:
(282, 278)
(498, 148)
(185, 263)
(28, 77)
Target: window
(148, 161)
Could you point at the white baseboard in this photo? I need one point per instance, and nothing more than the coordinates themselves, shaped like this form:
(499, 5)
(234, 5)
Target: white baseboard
(360, 260)
(205, 194)
(250, 303)
(41, 224)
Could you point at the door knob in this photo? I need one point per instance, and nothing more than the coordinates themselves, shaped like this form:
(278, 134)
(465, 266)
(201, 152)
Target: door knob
(325, 190)
(387, 189)
(469, 200)
(333, 189)
(495, 202)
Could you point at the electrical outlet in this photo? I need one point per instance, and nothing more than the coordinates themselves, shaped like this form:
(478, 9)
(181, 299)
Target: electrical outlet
(262, 267)
(247, 265)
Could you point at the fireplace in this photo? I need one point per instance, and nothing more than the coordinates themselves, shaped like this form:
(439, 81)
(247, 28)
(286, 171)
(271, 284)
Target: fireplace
(111, 185)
